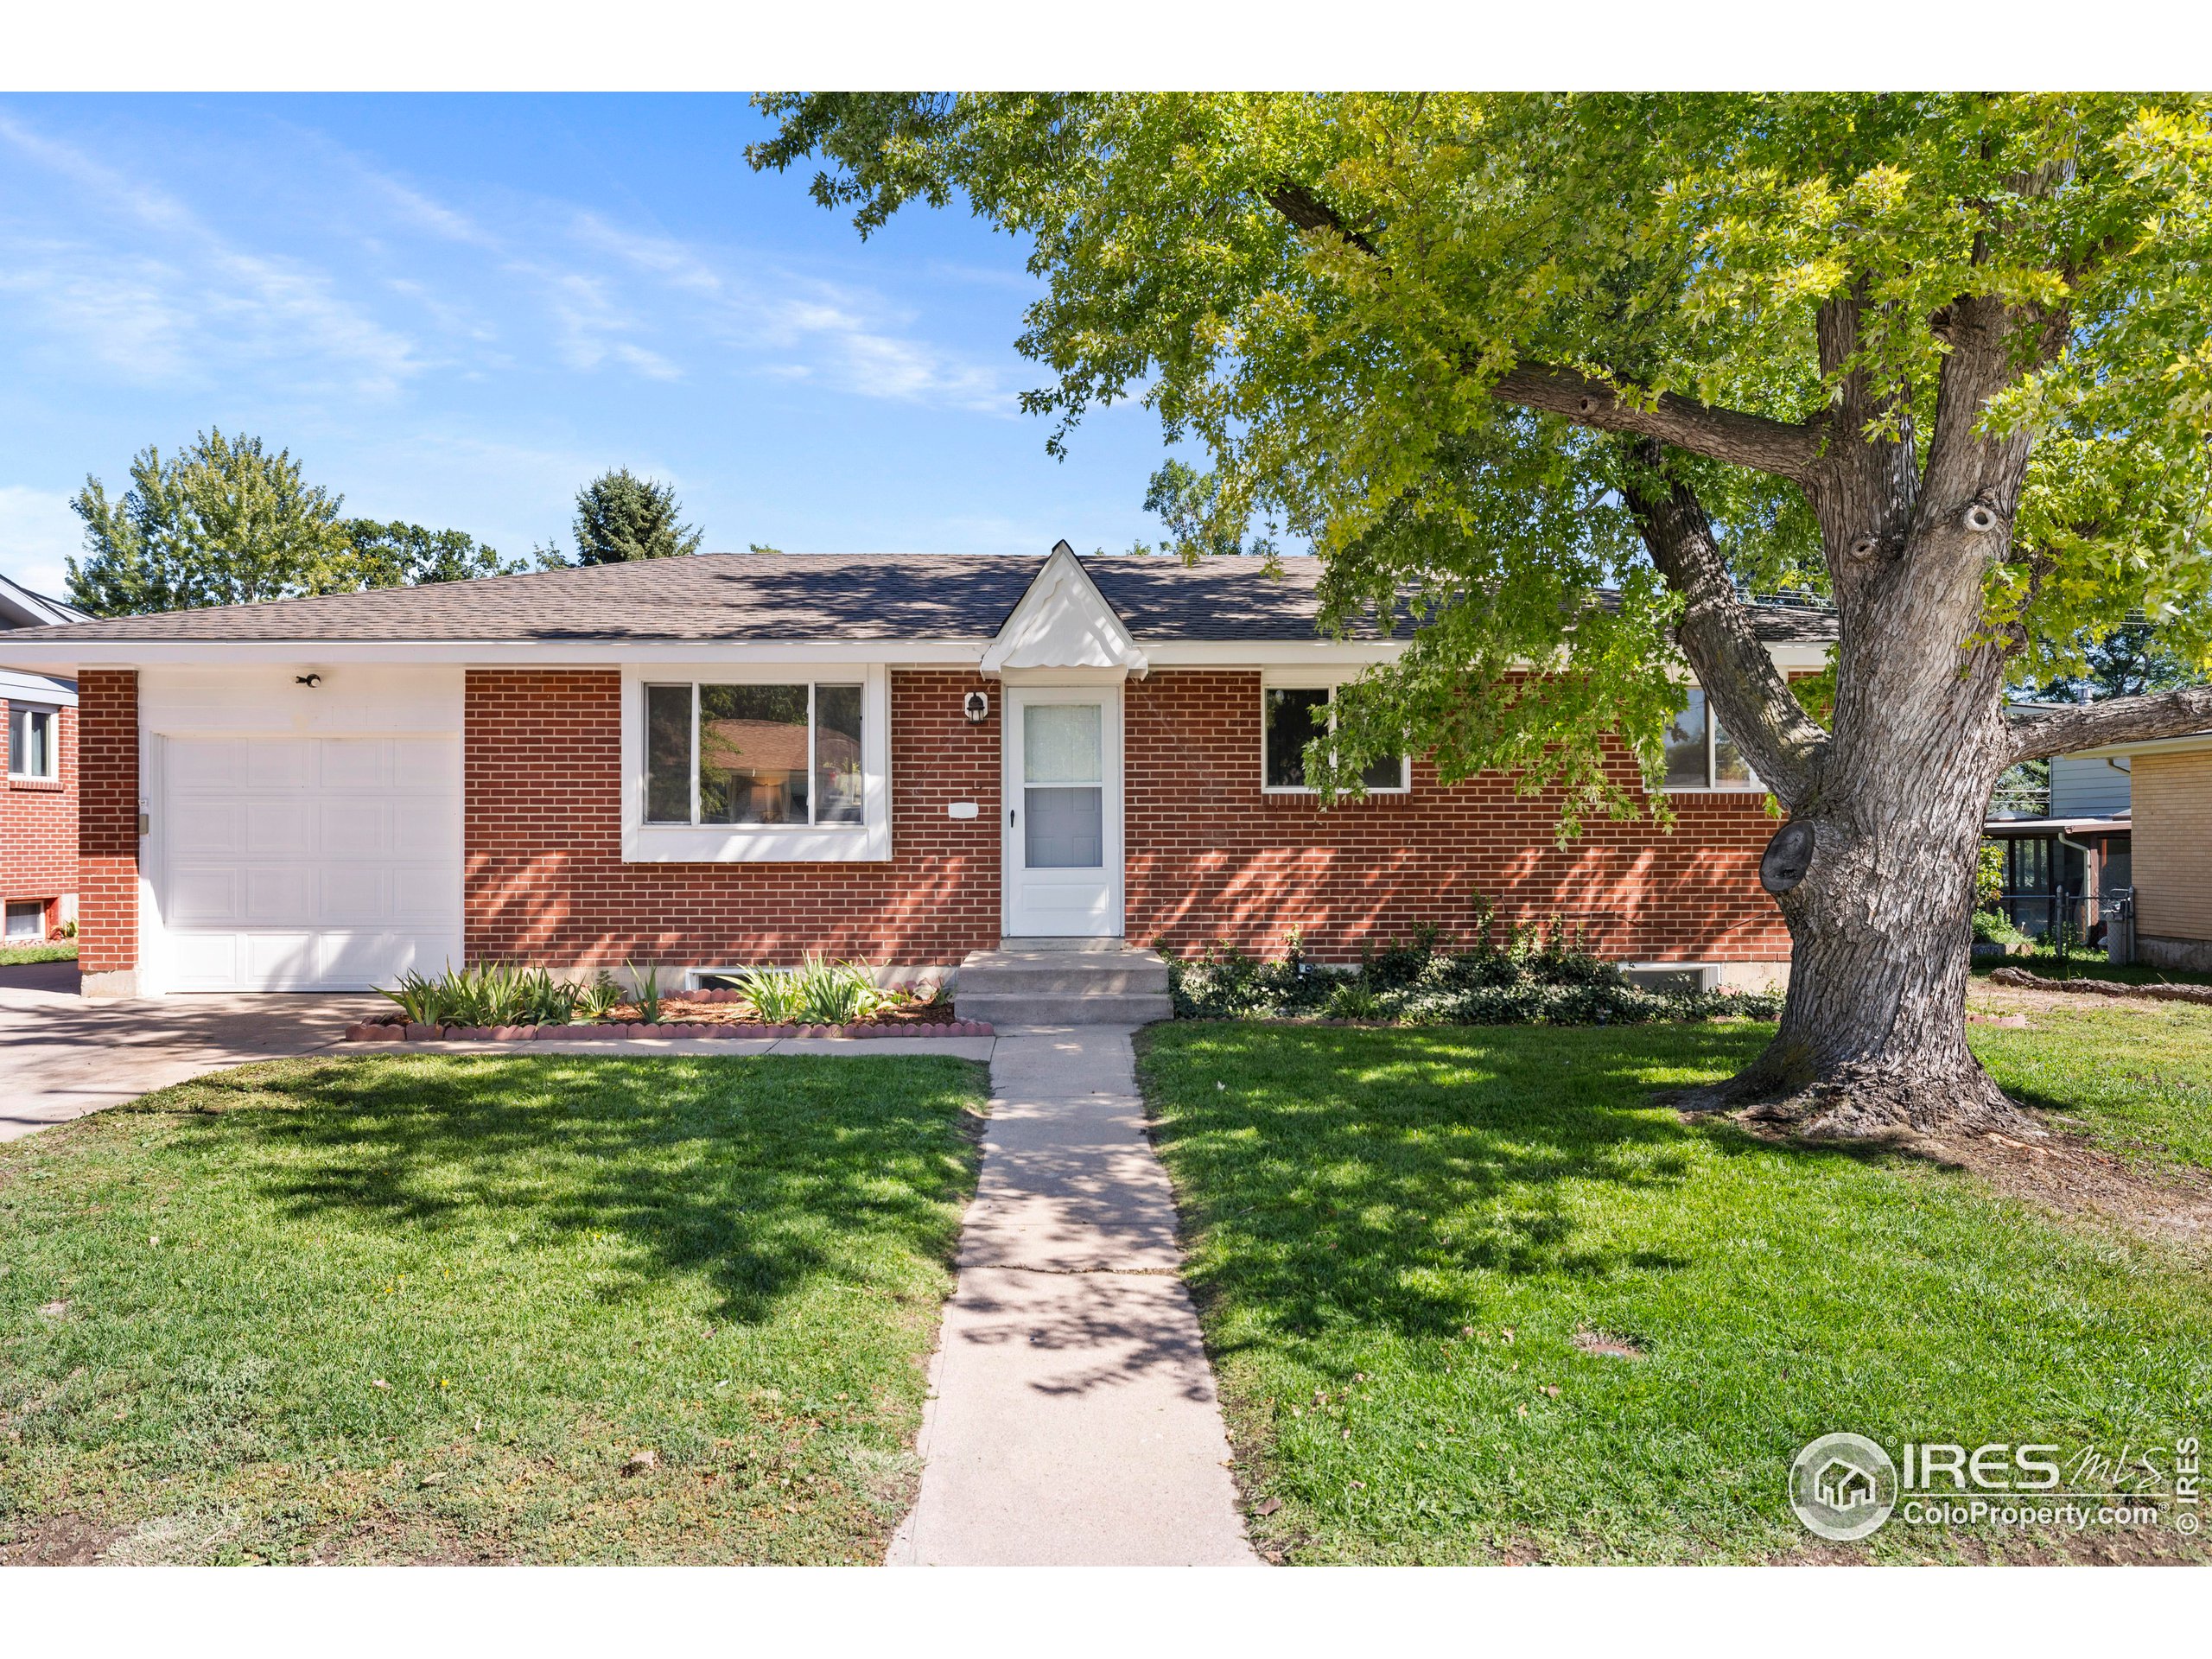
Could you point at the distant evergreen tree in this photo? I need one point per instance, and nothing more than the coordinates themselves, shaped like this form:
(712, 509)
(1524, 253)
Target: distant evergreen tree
(621, 516)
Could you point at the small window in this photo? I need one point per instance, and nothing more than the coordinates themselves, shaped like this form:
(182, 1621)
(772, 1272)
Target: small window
(26, 919)
(754, 755)
(33, 749)
(1292, 716)
(1700, 754)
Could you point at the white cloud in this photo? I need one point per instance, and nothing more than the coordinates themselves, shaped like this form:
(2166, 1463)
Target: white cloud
(38, 533)
(193, 305)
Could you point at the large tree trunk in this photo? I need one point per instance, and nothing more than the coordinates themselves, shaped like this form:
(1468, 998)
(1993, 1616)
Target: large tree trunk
(1873, 1036)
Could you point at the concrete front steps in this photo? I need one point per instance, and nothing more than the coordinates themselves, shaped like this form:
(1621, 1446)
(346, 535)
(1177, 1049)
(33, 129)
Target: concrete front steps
(1063, 982)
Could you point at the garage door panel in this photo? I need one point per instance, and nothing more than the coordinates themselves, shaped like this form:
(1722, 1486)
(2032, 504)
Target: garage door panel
(204, 766)
(301, 862)
(276, 829)
(202, 896)
(278, 894)
(356, 766)
(206, 959)
(206, 829)
(356, 894)
(283, 763)
(357, 829)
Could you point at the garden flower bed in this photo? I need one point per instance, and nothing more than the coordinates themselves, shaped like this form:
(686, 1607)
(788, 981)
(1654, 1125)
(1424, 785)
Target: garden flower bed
(493, 1002)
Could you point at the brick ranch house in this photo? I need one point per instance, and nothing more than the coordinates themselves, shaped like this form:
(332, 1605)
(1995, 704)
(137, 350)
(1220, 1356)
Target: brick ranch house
(734, 758)
(38, 805)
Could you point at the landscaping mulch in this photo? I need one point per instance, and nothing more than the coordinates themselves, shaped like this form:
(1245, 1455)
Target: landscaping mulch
(694, 1014)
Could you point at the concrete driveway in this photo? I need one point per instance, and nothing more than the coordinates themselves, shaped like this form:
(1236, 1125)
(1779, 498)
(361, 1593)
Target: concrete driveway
(61, 1057)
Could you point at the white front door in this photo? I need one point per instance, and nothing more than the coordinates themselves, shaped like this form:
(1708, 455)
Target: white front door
(1062, 834)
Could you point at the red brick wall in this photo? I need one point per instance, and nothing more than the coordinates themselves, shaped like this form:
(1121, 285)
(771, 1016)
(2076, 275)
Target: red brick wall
(107, 820)
(38, 826)
(1211, 857)
(546, 881)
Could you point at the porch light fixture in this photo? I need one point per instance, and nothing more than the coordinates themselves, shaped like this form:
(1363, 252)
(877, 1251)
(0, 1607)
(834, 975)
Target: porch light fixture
(977, 707)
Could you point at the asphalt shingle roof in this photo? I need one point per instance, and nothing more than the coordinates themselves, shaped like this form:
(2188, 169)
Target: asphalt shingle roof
(761, 596)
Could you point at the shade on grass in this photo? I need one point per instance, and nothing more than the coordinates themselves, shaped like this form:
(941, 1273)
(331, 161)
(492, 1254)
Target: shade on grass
(1399, 1235)
(428, 1307)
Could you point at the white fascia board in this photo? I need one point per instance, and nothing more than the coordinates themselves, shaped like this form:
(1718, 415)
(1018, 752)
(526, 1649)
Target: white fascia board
(66, 656)
(2188, 744)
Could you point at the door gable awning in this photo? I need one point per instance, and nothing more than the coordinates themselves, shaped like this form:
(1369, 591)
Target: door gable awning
(1063, 621)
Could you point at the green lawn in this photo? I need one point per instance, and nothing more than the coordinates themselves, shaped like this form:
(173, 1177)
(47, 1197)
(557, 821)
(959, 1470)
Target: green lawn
(2137, 1082)
(16, 956)
(427, 1308)
(1398, 1236)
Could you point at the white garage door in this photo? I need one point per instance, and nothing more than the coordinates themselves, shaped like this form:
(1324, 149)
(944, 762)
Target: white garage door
(309, 862)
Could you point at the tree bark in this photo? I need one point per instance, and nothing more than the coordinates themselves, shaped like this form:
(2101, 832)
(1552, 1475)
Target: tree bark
(1872, 1038)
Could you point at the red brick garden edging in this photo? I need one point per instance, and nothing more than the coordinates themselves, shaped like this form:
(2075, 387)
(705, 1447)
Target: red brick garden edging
(417, 1033)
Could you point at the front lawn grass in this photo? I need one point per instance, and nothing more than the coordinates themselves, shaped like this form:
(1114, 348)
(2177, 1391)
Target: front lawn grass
(428, 1308)
(1398, 1236)
(2138, 1081)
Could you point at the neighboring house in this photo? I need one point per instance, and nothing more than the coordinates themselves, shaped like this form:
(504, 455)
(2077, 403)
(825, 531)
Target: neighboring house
(2069, 848)
(731, 759)
(2171, 869)
(38, 810)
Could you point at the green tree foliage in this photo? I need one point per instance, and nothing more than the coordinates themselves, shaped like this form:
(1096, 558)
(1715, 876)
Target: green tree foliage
(221, 522)
(1454, 340)
(401, 555)
(1184, 500)
(224, 522)
(2126, 663)
(621, 516)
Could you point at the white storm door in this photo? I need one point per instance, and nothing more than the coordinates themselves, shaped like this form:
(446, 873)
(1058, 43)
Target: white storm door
(1062, 834)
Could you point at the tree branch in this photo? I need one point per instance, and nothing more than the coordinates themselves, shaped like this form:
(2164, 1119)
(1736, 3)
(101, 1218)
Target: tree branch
(1722, 435)
(1735, 668)
(2114, 719)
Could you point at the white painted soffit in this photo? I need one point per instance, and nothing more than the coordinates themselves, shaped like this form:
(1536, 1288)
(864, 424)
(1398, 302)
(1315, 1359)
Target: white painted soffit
(1063, 621)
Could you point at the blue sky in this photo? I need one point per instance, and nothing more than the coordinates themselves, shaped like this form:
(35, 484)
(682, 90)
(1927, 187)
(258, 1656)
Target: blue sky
(456, 310)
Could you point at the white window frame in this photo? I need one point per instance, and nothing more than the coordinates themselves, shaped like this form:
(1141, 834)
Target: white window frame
(1315, 681)
(868, 841)
(1751, 785)
(52, 742)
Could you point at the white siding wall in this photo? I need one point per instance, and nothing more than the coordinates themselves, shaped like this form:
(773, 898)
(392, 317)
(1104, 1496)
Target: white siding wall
(2085, 787)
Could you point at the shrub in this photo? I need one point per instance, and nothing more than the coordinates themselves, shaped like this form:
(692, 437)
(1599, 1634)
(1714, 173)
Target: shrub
(490, 994)
(817, 992)
(835, 993)
(771, 993)
(1532, 976)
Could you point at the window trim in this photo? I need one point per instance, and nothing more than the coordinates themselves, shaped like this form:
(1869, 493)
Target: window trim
(1310, 681)
(53, 714)
(1753, 786)
(869, 841)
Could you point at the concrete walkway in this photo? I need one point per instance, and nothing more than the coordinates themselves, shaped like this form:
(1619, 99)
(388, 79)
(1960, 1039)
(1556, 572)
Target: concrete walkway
(62, 1057)
(1073, 1420)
